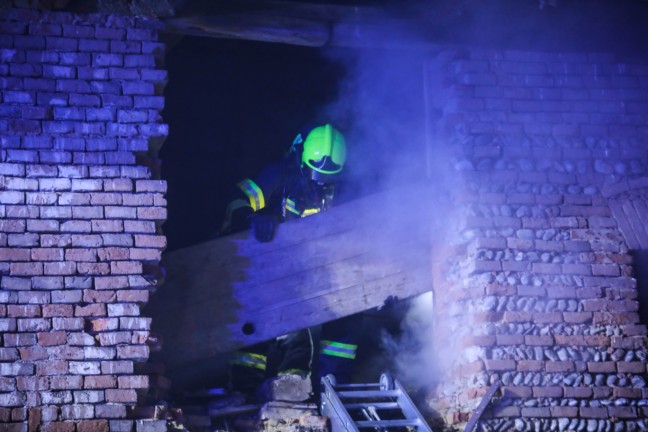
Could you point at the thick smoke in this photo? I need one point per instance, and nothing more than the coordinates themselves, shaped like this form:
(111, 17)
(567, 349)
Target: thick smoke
(383, 111)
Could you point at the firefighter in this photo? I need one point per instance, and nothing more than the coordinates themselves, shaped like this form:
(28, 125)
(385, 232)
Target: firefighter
(300, 185)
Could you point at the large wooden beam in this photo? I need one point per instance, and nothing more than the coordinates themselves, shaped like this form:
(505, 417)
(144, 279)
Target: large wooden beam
(295, 23)
(235, 291)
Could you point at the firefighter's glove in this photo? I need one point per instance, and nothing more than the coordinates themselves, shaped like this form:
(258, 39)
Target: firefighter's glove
(264, 226)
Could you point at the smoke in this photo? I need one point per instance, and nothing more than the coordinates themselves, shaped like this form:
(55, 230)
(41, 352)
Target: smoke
(413, 355)
(383, 112)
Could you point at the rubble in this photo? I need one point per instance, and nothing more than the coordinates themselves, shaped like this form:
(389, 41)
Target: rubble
(290, 387)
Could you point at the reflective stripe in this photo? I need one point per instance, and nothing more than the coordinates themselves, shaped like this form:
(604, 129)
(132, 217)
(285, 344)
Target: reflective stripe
(247, 359)
(309, 212)
(253, 192)
(292, 208)
(338, 349)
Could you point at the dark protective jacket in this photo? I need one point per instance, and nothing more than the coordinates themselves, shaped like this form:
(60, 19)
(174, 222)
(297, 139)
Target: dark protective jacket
(279, 189)
(282, 191)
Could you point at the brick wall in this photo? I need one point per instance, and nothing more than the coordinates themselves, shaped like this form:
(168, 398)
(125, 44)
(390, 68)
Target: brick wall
(537, 291)
(80, 210)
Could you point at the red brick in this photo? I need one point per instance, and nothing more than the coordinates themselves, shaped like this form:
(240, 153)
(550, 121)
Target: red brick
(512, 316)
(548, 392)
(141, 227)
(594, 412)
(23, 310)
(26, 269)
(52, 338)
(113, 212)
(93, 296)
(627, 392)
(137, 199)
(631, 367)
(99, 382)
(114, 338)
(623, 412)
(608, 318)
(58, 426)
(537, 340)
(517, 392)
(104, 324)
(48, 282)
(59, 268)
(559, 366)
(92, 268)
(535, 412)
(578, 392)
(121, 396)
(133, 381)
(564, 411)
(561, 292)
(631, 342)
(96, 309)
(150, 241)
(151, 186)
(66, 382)
(107, 225)
(512, 339)
(93, 426)
(118, 185)
(530, 365)
(87, 255)
(125, 267)
(576, 269)
(145, 254)
(14, 254)
(601, 367)
(117, 367)
(577, 317)
(112, 282)
(499, 365)
(547, 317)
(136, 352)
(110, 411)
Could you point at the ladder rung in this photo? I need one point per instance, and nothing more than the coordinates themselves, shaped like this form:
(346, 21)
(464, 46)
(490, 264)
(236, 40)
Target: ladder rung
(387, 423)
(378, 405)
(368, 393)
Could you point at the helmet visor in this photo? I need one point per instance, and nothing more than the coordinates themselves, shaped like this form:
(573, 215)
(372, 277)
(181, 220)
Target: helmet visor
(322, 172)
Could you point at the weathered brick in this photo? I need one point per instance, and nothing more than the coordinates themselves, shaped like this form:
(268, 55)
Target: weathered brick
(89, 396)
(94, 426)
(84, 368)
(66, 382)
(100, 381)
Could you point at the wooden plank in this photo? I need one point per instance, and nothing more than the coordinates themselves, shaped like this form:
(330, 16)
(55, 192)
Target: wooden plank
(624, 224)
(641, 230)
(234, 291)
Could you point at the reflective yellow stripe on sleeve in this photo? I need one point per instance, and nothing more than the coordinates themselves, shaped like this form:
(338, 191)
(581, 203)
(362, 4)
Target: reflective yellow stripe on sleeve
(252, 360)
(338, 349)
(253, 192)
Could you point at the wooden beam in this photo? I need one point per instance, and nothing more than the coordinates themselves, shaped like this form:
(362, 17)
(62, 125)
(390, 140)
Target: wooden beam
(234, 291)
(294, 23)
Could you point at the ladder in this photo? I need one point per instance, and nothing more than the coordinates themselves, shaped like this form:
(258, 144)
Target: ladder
(383, 406)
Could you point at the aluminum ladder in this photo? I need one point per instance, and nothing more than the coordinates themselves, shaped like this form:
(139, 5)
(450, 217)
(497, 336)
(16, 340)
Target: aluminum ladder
(383, 406)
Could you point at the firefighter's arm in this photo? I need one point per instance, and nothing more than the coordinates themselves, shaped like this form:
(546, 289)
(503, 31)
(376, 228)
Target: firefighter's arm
(255, 206)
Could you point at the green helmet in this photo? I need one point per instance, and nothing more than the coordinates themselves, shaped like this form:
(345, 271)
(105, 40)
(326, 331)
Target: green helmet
(324, 153)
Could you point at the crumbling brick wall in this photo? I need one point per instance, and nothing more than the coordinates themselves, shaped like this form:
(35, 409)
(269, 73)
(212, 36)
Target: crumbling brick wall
(538, 293)
(80, 213)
